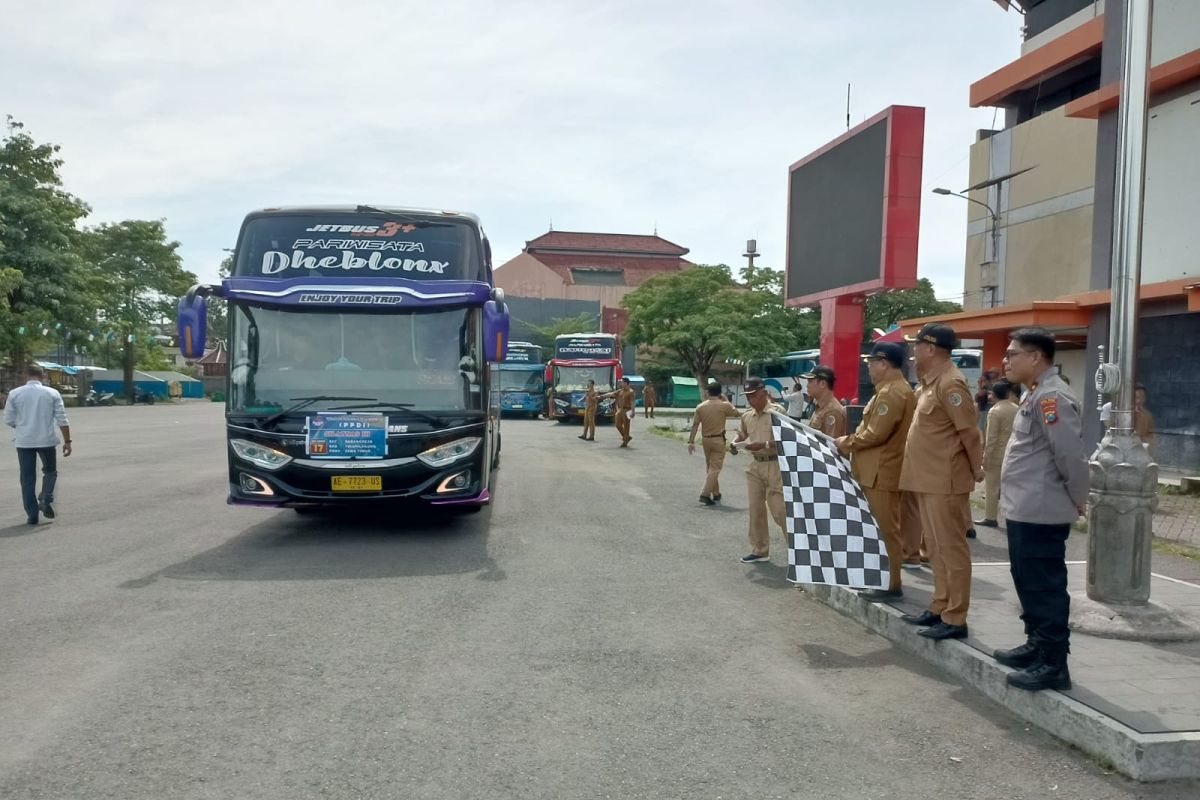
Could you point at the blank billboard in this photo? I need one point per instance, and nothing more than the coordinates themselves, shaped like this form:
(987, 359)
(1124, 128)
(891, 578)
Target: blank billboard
(854, 210)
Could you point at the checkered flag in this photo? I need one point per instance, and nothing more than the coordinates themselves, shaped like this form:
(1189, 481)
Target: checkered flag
(834, 537)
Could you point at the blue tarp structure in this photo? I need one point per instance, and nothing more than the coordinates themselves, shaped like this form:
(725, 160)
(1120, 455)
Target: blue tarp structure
(113, 380)
(189, 386)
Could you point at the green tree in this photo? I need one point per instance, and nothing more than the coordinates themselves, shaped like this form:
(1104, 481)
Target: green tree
(699, 315)
(42, 282)
(138, 276)
(218, 317)
(885, 310)
(800, 328)
(544, 335)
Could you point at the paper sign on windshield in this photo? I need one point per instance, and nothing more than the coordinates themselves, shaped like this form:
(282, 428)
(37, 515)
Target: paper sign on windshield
(347, 436)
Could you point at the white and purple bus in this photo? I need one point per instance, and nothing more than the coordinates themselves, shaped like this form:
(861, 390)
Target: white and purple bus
(362, 349)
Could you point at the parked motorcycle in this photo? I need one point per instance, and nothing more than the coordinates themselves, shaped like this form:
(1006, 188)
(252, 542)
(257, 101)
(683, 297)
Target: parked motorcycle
(140, 396)
(94, 398)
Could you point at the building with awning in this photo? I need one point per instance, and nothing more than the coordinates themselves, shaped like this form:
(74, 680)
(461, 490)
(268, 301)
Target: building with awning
(1040, 207)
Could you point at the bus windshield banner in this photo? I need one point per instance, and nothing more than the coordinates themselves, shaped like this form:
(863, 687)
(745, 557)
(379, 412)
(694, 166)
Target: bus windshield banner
(341, 245)
(523, 354)
(346, 436)
(567, 348)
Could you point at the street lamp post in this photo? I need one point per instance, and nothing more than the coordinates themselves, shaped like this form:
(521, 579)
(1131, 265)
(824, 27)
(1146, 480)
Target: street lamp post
(1124, 479)
(995, 256)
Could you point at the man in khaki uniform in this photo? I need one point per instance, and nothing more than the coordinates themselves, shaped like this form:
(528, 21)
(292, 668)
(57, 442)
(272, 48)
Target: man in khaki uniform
(877, 454)
(649, 400)
(829, 416)
(764, 482)
(625, 398)
(943, 459)
(709, 418)
(591, 401)
(999, 429)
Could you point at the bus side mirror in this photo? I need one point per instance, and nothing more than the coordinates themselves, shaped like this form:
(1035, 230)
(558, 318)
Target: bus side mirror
(193, 325)
(495, 331)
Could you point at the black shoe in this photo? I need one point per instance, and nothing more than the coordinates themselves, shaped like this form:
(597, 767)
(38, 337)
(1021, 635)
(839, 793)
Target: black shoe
(717, 497)
(971, 533)
(706, 500)
(924, 618)
(753, 559)
(1041, 676)
(47, 510)
(987, 523)
(31, 520)
(581, 436)
(1018, 657)
(879, 595)
(944, 630)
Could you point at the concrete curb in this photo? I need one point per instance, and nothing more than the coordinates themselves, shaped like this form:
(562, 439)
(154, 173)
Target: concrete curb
(1141, 756)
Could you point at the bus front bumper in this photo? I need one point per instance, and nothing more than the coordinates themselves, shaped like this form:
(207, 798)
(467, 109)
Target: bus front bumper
(462, 483)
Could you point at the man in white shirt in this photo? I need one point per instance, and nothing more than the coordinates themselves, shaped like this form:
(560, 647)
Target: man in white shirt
(34, 410)
(797, 400)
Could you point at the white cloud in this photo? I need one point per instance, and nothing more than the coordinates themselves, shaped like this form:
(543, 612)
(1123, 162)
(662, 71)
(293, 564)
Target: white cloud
(611, 116)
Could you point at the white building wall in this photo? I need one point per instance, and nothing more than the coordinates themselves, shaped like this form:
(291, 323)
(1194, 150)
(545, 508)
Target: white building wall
(1169, 232)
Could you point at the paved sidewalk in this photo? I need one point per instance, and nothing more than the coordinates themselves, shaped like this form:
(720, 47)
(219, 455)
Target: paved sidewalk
(1178, 518)
(1135, 705)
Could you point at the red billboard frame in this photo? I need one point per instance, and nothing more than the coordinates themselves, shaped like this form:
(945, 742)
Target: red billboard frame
(903, 161)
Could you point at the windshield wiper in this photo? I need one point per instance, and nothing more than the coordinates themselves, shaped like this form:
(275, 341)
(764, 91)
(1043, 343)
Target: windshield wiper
(305, 401)
(406, 218)
(407, 408)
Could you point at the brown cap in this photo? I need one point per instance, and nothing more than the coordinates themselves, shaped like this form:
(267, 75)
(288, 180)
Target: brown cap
(753, 385)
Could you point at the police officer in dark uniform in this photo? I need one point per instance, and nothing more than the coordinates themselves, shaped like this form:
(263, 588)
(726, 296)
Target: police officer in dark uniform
(1043, 489)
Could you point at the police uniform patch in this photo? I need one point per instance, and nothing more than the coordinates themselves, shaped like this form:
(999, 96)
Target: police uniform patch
(830, 422)
(882, 409)
(1049, 407)
(956, 399)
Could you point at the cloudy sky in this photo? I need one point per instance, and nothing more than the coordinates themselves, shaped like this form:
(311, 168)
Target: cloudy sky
(603, 116)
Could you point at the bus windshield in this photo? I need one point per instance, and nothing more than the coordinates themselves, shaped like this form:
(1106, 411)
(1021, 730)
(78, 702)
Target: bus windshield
(429, 360)
(574, 379)
(360, 245)
(521, 380)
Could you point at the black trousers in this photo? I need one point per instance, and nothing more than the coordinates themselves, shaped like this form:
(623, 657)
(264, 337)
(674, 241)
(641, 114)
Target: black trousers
(1038, 560)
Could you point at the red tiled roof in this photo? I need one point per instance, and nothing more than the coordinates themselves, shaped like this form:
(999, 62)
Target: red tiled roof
(218, 355)
(636, 270)
(613, 243)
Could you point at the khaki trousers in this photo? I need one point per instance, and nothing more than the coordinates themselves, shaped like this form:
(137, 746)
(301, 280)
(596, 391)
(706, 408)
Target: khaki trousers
(589, 424)
(622, 422)
(885, 505)
(714, 459)
(991, 488)
(946, 518)
(764, 485)
(911, 530)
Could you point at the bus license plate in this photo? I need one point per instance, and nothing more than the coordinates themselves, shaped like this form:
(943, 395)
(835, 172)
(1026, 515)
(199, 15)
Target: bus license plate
(357, 483)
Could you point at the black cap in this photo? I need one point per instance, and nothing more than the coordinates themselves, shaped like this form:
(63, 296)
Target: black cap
(887, 351)
(942, 336)
(753, 385)
(823, 372)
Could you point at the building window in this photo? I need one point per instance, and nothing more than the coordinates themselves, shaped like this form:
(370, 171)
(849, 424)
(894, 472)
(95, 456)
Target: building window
(597, 276)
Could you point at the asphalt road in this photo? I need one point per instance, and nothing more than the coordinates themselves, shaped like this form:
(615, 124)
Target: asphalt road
(591, 635)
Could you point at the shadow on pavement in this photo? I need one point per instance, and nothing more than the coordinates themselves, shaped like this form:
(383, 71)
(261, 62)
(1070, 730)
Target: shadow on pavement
(768, 575)
(13, 531)
(324, 546)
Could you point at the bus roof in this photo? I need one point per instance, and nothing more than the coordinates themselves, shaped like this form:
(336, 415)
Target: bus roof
(354, 209)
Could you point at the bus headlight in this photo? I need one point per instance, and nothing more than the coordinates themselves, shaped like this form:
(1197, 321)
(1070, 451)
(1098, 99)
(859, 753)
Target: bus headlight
(450, 452)
(259, 455)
